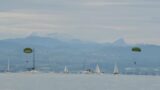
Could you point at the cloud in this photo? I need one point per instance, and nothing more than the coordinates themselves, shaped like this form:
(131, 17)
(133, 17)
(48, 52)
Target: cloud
(106, 3)
(91, 20)
(122, 3)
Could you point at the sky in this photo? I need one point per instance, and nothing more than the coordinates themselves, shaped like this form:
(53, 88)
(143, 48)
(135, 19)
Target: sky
(137, 21)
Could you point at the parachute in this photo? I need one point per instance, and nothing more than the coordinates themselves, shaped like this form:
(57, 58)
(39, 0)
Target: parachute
(136, 49)
(28, 50)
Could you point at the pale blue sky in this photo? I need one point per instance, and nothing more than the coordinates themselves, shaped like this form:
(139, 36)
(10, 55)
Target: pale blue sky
(138, 21)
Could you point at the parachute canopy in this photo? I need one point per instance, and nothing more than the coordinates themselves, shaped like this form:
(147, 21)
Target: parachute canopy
(28, 50)
(136, 49)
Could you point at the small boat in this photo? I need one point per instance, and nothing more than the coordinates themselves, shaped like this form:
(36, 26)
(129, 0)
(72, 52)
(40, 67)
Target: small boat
(116, 70)
(87, 71)
(97, 70)
(66, 69)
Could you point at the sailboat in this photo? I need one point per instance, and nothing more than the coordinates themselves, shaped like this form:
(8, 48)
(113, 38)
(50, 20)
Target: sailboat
(66, 69)
(116, 70)
(98, 71)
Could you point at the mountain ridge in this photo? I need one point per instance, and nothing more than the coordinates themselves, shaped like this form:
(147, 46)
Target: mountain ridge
(54, 54)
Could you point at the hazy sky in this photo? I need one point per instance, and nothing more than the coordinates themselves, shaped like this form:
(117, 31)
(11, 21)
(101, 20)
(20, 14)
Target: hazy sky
(138, 21)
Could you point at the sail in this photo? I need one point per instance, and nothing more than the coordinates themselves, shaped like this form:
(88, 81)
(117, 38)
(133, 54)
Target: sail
(97, 69)
(116, 71)
(66, 69)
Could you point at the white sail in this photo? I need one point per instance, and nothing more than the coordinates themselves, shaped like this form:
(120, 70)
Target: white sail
(116, 71)
(98, 71)
(66, 69)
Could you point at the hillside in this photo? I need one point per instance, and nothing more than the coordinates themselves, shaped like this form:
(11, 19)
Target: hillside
(52, 54)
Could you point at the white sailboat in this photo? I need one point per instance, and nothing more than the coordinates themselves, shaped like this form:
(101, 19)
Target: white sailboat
(98, 71)
(116, 70)
(66, 69)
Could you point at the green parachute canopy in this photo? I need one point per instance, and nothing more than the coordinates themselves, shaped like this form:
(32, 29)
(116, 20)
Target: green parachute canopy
(28, 50)
(136, 49)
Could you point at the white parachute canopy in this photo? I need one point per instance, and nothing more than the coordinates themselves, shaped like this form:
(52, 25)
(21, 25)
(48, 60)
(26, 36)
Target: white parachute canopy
(66, 69)
(97, 69)
(116, 70)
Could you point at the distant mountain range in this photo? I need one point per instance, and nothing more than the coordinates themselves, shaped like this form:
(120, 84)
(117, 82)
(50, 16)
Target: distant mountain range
(52, 54)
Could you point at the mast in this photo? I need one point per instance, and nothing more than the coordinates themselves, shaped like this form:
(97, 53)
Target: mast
(8, 66)
(34, 60)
